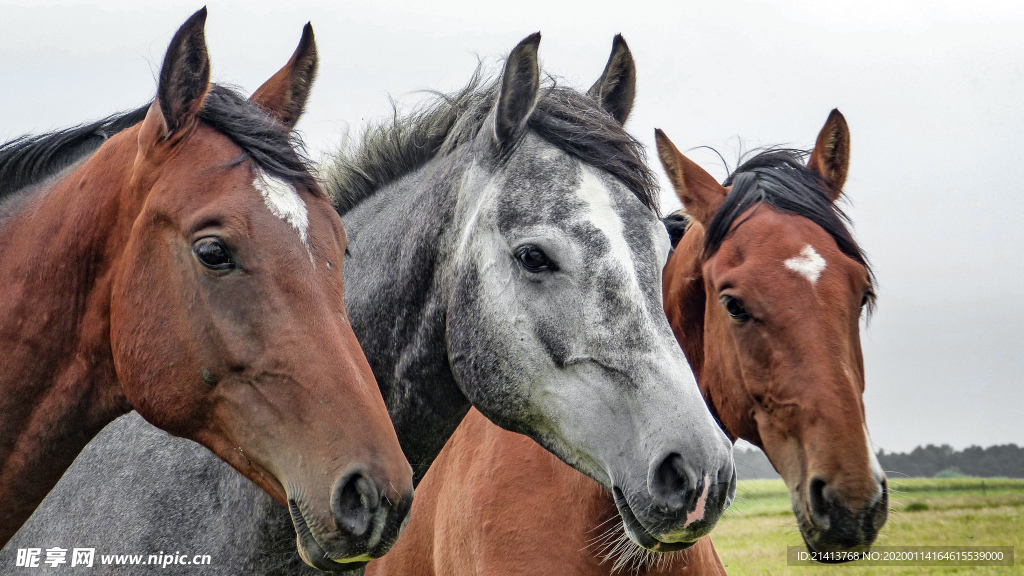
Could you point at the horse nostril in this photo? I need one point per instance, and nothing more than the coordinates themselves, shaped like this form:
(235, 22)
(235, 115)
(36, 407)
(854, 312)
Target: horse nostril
(819, 505)
(670, 485)
(354, 503)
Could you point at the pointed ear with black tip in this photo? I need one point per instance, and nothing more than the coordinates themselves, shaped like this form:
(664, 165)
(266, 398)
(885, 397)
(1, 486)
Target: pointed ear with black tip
(185, 75)
(520, 85)
(831, 156)
(284, 96)
(699, 192)
(616, 88)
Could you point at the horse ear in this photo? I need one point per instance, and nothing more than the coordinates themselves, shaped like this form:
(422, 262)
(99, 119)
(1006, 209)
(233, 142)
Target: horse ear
(520, 85)
(185, 76)
(284, 96)
(616, 88)
(699, 192)
(831, 156)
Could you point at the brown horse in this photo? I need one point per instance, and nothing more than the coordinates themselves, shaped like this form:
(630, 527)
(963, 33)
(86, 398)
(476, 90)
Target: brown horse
(765, 291)
(190, 269)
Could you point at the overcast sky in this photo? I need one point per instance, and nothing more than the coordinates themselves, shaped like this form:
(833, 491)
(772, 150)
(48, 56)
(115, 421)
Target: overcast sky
(933, 92)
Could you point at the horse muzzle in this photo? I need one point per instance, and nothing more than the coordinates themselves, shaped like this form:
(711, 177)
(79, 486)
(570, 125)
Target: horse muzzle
(366, 520)
(830, 526)
(682, 505)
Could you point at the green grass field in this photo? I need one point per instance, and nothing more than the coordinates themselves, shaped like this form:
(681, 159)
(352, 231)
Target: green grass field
(753, 536)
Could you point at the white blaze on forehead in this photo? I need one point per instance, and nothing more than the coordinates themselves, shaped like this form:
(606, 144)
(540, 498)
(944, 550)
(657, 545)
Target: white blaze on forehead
(808, 264)
(603, 215)
(284, 202)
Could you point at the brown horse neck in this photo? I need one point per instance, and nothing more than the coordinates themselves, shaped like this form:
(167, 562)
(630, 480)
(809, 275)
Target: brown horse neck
(686, 306)
(685, 296)
(58, 386)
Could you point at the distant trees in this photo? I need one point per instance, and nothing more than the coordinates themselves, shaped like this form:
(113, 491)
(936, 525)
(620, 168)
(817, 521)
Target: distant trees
(1005, 460)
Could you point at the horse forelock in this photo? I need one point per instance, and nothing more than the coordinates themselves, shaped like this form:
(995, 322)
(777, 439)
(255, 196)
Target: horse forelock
(779, 178)
(572, 121)
(28, 161)
(276, 150)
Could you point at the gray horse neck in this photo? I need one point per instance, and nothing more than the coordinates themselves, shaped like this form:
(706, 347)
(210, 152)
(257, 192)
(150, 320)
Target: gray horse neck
(397, 297)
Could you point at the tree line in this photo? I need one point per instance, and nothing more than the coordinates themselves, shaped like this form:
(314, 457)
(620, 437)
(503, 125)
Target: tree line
(1004, 460)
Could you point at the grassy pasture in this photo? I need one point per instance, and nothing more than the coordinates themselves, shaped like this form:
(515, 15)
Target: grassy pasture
(753, 536)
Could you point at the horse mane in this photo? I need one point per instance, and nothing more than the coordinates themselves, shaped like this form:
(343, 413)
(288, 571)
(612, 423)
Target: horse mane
(28, 160)
(778, 177)
(568, 119)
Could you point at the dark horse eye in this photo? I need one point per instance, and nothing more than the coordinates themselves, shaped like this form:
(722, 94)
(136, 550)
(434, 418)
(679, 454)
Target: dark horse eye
(213, 253)
(736, 309)
(534, 259)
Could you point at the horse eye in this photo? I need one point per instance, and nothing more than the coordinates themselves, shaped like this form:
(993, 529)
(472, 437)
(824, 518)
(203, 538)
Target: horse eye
(533, 259)
(213, 253)
(736, 309)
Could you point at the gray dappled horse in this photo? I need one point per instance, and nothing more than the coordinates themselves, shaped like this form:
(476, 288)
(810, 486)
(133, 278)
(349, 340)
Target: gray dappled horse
(504, 252)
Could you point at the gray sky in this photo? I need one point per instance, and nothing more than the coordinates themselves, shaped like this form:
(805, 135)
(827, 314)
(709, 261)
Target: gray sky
(932, 91)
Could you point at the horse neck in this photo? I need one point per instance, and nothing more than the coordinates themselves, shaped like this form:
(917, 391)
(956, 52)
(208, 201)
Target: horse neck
(686, 304)
(396, 280)
(685, 297)
(58, 386)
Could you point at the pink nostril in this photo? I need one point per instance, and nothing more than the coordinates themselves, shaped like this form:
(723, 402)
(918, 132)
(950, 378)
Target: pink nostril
(698, 511)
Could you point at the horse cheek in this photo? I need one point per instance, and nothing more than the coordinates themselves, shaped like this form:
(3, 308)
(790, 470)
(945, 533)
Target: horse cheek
(146, 332)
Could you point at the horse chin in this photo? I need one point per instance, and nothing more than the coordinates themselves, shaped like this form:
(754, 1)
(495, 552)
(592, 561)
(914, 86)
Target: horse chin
(312, 553)
(636, 531)
(818, 541)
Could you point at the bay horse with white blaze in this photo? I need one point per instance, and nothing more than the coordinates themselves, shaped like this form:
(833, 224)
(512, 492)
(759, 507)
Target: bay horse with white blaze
(765, 291)
(505, 253)
(189, 267)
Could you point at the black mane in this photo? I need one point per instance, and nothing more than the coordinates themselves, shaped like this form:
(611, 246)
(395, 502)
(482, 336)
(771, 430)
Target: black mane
(779, 178)
(29, 160)
(570, 120)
